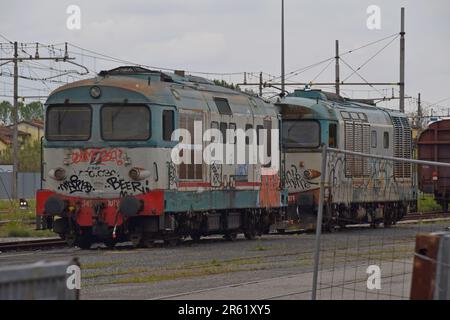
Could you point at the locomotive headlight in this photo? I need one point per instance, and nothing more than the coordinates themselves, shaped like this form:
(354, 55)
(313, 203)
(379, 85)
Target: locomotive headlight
(57, 174)
(138, 173)
(95, 92)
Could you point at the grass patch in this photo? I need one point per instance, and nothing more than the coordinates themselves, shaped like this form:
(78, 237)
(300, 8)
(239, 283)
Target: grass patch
(261, 247)
(426, 203)
(114, 273)
(96, 265)
(21, 221)
(23, 230)
(181, 274)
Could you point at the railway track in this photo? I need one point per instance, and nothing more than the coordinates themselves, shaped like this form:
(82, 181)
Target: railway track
(57, 242)
(425, 216)
(31, 244)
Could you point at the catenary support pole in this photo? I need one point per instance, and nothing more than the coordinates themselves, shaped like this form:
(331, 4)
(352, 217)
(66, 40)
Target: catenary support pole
(15, 125)
(319, 222)
(402, 60)
(337, 68)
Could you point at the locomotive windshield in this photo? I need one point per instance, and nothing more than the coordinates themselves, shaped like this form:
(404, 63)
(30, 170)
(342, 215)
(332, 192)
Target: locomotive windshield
(301, 134)
(68, 123)
(125, 123)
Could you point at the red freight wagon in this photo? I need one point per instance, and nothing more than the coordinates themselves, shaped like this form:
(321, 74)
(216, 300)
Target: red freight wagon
(434, 145)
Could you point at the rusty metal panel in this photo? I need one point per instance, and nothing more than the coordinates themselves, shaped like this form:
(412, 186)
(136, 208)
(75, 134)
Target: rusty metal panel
(434, 145)
(442, 288)
(424, 267)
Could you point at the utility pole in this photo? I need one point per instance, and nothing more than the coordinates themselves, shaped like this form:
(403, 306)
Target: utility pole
(419, 110)
(282, 49)
(260, 84)
(16, 59)
(402, 60)
(15, 124)
(337, 68)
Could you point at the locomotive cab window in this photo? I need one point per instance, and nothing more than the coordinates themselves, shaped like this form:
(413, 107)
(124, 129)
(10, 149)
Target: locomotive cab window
(125, 122)
(301, 133)
(68, 123)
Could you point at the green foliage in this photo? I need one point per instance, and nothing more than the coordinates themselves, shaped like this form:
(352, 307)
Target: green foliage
(28, 112)
(32, 111)
(29, 156)
(225, 84)
(426, 203)
(5, 112)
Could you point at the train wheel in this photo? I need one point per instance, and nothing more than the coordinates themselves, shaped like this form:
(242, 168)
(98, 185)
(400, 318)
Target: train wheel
(230, 236)
(71, 239)
(110, 243)
(84, 242)
(195, 237)
(136, 239)
(445, 206)
(147, 243)
(250, 234)
(172, 242)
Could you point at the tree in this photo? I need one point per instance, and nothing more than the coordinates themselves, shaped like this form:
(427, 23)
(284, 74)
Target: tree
(28, 112)
(225, 84)
(29, 156)
(5, 112)
(31, 111)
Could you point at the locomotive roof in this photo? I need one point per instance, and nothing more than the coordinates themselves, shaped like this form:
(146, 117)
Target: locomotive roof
(318, 104)
(141, 85)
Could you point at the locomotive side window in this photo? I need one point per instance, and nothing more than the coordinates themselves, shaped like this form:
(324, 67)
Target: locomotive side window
(373, 139)
(214, 125)
(168, 124)
(258, 134)
(332, 135)
(247, 136)
(122, 122)
(191, 170)
(223, 131)
(223, 106)
(68, 123)
(386, 140)
(268, 128)
(301, 133)
(232, 126)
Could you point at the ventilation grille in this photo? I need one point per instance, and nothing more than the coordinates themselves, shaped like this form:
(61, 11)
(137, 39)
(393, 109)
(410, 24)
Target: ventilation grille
(402, 146)
(357, 139)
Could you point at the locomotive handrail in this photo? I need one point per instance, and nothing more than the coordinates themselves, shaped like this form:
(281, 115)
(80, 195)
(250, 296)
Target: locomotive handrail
(366, 155)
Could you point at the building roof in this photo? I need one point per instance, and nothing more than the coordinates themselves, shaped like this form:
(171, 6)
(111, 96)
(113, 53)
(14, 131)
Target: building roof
(35, 123)
(6, 134)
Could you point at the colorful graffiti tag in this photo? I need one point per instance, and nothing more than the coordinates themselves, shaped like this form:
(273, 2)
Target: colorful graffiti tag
(98, 156)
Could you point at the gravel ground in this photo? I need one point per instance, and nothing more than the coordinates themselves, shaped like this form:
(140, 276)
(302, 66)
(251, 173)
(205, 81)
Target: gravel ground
(166, 272)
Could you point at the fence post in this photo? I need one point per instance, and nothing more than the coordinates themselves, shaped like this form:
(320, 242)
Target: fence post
(319, 221)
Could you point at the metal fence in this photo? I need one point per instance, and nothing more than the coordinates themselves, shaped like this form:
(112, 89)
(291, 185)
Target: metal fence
(40, 281)
(367, 261)
(28, 183)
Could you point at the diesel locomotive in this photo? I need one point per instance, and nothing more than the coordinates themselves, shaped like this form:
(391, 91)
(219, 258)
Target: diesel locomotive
(357, 190)
(108, 171)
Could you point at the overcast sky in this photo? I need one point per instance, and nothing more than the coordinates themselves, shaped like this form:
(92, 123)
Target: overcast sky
(238, 35)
